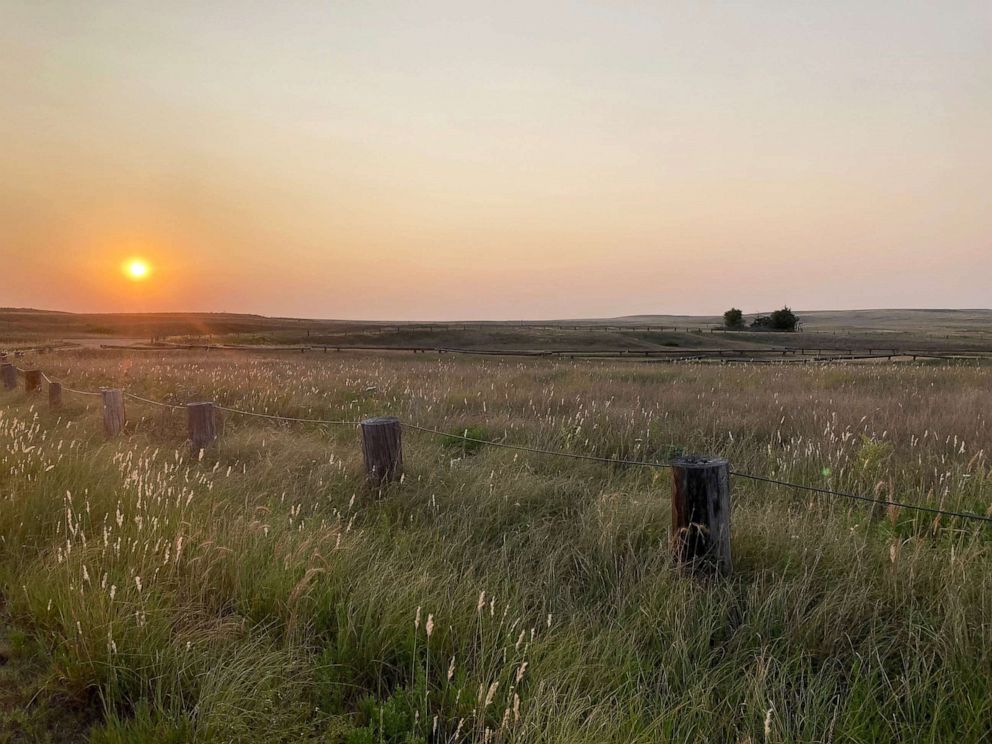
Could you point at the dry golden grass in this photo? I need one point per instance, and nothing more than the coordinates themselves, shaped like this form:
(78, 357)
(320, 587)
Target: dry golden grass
(263, 592)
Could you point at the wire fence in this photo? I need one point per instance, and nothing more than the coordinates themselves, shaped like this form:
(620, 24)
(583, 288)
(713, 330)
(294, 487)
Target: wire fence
(327, 422)
(559, 453)
(768, 354)
(866, 499)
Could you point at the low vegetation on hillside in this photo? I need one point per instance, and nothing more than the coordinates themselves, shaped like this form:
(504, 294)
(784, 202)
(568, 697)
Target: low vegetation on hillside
(779, 320)
(262, 591)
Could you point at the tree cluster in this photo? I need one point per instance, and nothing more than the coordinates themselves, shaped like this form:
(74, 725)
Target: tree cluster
(780, 320)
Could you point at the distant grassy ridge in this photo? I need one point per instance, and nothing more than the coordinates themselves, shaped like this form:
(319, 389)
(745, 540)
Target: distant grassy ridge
(23, 323)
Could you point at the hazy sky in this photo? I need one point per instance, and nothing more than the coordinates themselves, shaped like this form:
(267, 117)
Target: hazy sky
(500, 160)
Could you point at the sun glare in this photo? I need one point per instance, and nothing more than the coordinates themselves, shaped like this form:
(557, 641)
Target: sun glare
(136, 269)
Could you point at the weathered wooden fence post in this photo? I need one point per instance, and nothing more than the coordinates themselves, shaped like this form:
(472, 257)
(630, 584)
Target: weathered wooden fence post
(113, 411)
(382, 446)
(32, 380)
(701, 512)
(9, 375)
(202, 421)
(54, 394)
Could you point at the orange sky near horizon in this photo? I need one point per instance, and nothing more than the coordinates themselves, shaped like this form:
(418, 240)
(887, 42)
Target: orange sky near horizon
(514, 160)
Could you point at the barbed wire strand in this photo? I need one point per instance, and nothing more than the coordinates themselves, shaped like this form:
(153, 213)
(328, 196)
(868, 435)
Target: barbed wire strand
(815, 489)
(866, 499)
(66, 388)
(330, 422)
(173, 406)
(539, 451)
(79, 392)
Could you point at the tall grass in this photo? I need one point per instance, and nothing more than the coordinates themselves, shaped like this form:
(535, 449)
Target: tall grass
(264, 593)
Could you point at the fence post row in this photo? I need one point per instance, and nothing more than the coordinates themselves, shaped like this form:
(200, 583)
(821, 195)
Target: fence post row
(382, 446)
(701, 513)
(9, 375)
(700, 485)
(202, 419)
(32, 380)
(113, 411)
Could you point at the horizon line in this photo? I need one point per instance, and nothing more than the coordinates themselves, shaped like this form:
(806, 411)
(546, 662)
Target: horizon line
(485, 320)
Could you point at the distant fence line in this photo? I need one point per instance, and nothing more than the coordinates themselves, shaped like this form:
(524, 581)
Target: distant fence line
(418, 327)
(701, 500)
(771, 354)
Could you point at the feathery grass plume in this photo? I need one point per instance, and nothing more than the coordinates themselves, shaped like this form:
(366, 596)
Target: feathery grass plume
(258, 594)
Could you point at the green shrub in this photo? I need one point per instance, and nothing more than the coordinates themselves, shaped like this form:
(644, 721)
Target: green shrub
(733, 319)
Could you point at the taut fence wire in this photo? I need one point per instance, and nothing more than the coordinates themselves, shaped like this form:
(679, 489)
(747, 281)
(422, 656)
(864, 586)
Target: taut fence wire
(562, 454)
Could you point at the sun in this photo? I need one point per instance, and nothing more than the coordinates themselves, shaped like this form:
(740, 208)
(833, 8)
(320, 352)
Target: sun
(136, 269)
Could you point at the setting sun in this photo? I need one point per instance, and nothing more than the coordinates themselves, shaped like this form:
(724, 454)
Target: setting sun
(136, 269)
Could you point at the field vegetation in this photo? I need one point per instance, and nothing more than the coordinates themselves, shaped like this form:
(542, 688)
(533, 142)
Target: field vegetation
(850, 329)
(263, 591)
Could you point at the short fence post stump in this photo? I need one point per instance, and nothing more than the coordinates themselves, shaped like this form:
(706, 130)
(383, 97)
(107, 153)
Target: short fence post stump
(9, 375)
(113, 411)
(701, 513)
(32, 380)
(202, 420)
(382, 446)
(54, 394)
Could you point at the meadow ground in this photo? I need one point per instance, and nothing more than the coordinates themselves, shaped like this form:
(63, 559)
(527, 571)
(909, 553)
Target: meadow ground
(264, 592)
(933, 330)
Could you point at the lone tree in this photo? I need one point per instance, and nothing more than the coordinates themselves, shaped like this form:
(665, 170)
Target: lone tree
(733, 319)
(780, 320)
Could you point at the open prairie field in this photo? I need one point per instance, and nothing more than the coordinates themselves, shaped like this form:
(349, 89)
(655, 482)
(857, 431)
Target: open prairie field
(851, 334)
(265, 591)
(451, 373)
